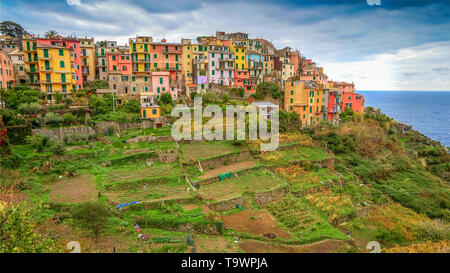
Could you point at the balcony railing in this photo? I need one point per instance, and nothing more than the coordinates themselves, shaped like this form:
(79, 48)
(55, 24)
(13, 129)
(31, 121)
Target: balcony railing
(47, 68)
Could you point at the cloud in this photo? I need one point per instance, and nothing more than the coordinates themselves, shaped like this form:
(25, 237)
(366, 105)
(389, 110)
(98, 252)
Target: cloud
(329, 31)
(406, 69)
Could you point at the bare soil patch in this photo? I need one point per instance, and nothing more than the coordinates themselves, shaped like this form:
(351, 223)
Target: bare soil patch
(255, 223)
(214, 244)
(75, 190)
(228, 168)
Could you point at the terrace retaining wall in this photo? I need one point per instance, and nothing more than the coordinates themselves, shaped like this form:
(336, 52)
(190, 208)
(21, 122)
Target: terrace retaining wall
(274, 195)
(227, 204)
(58, 134)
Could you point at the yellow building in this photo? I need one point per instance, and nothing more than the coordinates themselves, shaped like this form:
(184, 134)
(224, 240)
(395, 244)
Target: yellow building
(55, 70)
(140, 54)
(240, 51)
(187, 58)
(87, 59)
(303, 98)
(150, 111)
(30, 58)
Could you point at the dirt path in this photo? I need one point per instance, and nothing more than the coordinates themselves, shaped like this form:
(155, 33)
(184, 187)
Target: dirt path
(74, 190)
(255, 223)
(228, 168)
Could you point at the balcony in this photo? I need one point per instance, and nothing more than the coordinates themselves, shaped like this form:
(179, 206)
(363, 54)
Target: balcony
(141, 60)
(85, 54)
(47, 68)
(31, 71)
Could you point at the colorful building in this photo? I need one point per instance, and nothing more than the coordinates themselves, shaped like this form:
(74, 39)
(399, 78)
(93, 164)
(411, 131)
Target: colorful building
(334, 105)
(6, 71)
(221, 65)
(140, 54)
(345, 87)
(303, 98)
(168, 57)
(102, 49)
(16, 56)
(57, 71)
(87, 59)
(161, 84)
(353, 100)
(240, 52)
(187, 61)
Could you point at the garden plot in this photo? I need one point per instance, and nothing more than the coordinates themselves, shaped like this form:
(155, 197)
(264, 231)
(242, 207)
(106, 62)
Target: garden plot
(233, 167)
(202, 150)
(256, 223)
(257, 181)
(306, 224)
(74, 190)
(138, 171)
(153, 191)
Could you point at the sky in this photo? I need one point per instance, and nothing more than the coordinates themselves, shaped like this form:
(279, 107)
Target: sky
(396, 45)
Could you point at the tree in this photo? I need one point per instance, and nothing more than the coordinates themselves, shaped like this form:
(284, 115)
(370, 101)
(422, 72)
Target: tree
(17, 232)
(11, 29)
(51, 34)
(19, 95)
(131, 106)
(100, 105)
(53, 119)
(92, 215)
(69, 119)
(193, 95)
(102, 43)
(58, 97)
(166, 98)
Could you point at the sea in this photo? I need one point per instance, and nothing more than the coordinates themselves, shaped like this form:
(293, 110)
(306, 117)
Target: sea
(427, 111)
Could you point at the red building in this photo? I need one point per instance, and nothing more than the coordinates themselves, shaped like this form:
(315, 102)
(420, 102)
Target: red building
(242, 80)
(334, 105)
(354, 101)
(119, 62)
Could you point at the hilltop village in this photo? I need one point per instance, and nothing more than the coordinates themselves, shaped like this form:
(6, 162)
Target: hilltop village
(145, 69)
(88, 161)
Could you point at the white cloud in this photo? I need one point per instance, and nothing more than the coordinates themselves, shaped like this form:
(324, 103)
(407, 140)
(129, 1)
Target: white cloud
(425, 67)
(74, 2)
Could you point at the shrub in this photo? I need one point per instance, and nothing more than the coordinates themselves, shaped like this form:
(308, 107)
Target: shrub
(58, 148)
(69, 118)
(38, 142)
(29, 108)
(53, 119)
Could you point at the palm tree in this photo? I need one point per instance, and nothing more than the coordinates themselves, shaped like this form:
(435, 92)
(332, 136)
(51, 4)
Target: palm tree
(51, 34)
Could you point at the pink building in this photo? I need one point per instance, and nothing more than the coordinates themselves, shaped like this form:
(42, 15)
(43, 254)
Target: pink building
(161, 84)
(354, 101)
(6, 72)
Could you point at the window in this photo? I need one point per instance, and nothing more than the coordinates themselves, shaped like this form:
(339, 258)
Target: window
(158, 90)
(134, 88)
(63, 77)
(45, 53)
(154, 111)
(61, 52)
(133, 79)
(212, 63)
(113, 57)
(292, 92)
(160, 80)
(146, 79)
(61, 64)
(292, 100)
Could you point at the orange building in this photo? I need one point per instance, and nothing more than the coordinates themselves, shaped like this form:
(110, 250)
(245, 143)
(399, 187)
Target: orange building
(167, 57)
(6, 71)
(345, 87)
(119, 62)
(353, 100)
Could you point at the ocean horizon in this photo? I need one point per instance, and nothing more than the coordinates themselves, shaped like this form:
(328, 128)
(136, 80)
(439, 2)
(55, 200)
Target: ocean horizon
(426, 111)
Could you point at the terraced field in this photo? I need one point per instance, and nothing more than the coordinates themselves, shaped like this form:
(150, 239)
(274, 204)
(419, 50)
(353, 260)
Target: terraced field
(203, 150)
(259, 180)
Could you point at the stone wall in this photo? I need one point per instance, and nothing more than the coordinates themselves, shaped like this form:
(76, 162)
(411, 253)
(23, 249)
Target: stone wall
(59, 134)
(102, 127)
(150, 139)
(275, 195)
(215, 162)
(227, 204)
